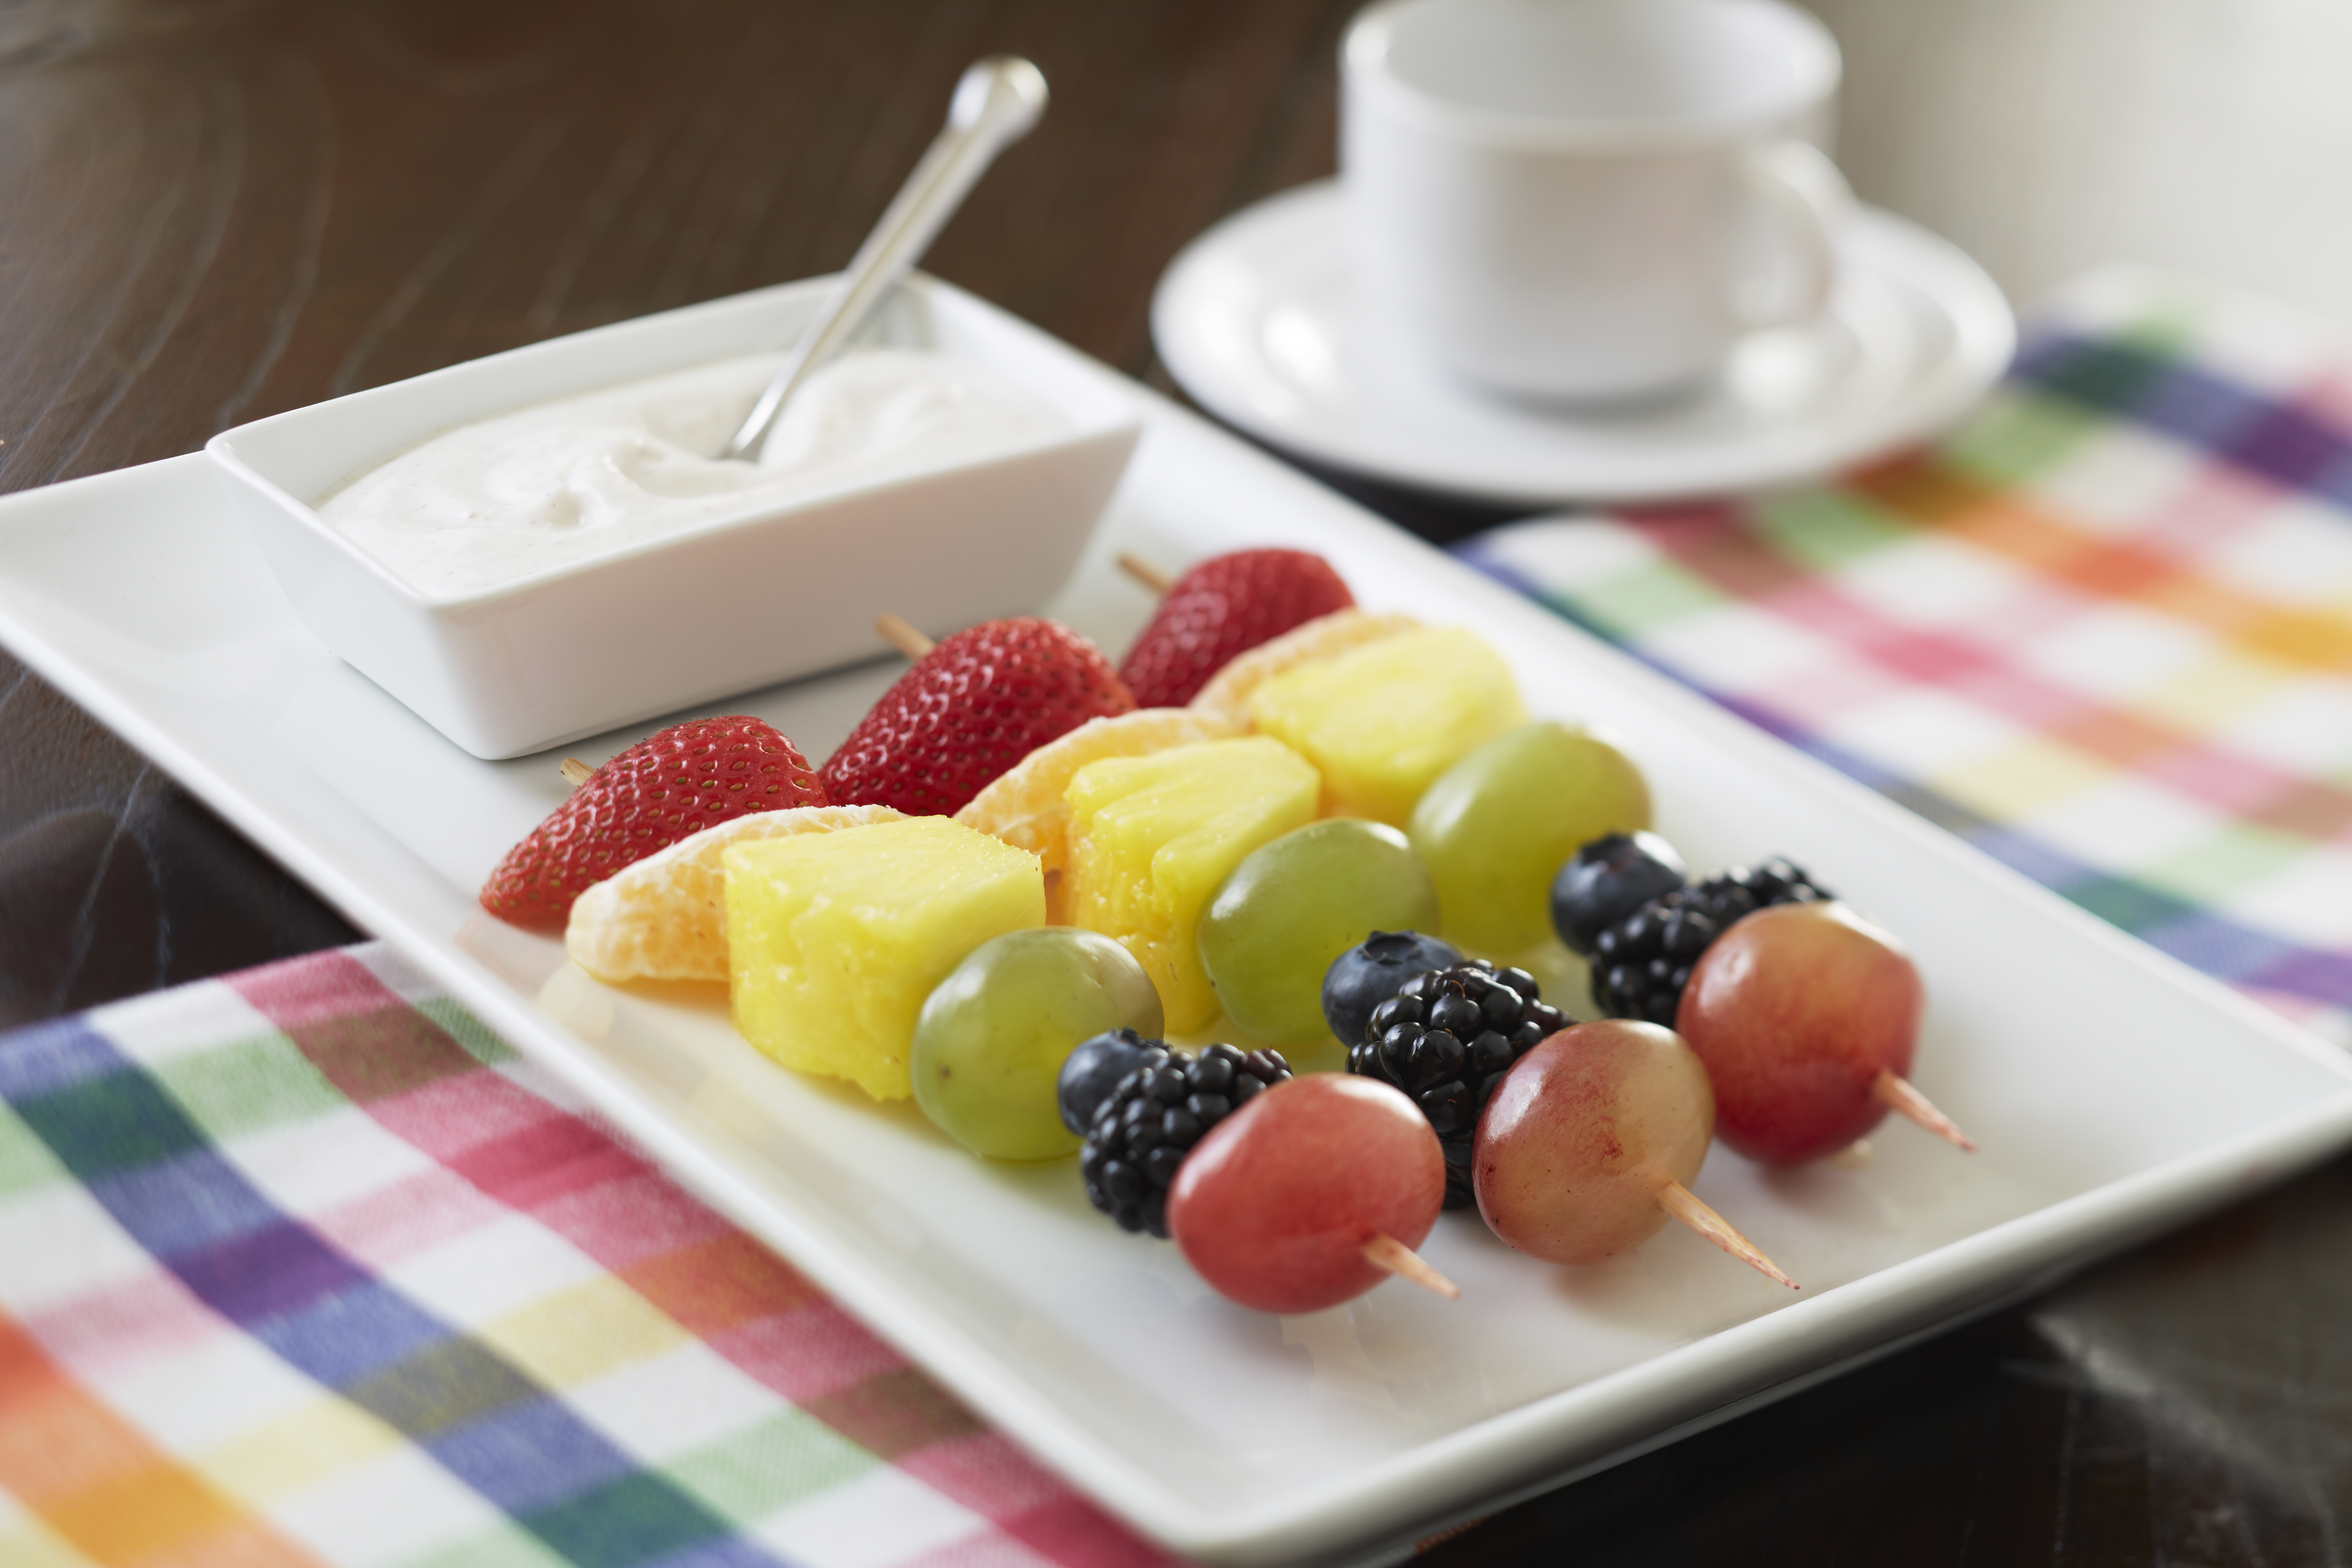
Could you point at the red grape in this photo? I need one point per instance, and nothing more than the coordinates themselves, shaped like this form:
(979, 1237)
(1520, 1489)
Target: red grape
(1276, 1205)
(1577, 1141)
(1797, 1010)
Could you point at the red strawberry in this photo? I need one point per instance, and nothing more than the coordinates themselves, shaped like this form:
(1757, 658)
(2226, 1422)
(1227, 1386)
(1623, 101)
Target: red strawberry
(1227, 605)
(970, 709)
(689, 777)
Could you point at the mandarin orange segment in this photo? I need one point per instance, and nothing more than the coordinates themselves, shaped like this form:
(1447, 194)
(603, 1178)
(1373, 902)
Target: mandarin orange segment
(1026, 805)
(665, 918)
(1227, 695)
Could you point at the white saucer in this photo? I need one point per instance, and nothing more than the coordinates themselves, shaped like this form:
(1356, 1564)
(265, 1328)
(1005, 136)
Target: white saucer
(1259, 319)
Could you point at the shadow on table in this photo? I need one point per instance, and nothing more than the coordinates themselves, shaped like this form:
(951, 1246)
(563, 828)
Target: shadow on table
(113, 880)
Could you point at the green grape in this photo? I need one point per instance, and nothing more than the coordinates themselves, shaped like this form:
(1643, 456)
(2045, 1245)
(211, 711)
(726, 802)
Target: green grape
(1294, 906)
(990, 1041)
(1496, 827)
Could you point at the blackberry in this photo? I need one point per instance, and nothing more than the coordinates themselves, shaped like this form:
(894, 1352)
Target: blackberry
(1446, 1038)
(1641, 963)
(1145, 1126)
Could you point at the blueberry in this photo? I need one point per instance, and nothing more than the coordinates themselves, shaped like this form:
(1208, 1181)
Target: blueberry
(1371, 973)
(1094, 1069)
(1607, 879)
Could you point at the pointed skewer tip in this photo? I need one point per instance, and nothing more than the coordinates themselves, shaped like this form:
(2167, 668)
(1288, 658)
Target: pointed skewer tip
(1897, 1095)
(1684, 1204)
(1387, 1252)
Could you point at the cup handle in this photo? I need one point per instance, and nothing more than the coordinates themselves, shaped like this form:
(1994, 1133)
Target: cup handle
(1807, 201)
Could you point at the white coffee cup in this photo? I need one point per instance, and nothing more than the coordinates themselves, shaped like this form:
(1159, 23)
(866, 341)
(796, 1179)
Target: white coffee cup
(1589, 201)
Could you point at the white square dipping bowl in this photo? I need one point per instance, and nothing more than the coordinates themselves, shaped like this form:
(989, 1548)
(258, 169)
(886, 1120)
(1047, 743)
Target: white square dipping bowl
(720, 608)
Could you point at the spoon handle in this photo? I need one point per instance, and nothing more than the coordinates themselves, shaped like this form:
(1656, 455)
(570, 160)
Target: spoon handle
(996, 102)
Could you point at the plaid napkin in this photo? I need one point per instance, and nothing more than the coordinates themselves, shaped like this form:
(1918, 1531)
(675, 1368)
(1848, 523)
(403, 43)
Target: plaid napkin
(2104, 631)
(304, 1267)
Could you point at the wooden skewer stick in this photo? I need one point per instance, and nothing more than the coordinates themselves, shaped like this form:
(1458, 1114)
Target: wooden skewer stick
(575, 771)
(1683, 1203)
(902, 637)
(1387, 1252)
(1145, 572)
(1897, 1095)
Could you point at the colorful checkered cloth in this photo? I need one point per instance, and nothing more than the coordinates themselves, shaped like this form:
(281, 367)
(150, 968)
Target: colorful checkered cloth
(2104, 631)
(304, 1267)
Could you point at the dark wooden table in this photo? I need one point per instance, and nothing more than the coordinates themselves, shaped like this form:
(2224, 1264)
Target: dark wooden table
(214, 209)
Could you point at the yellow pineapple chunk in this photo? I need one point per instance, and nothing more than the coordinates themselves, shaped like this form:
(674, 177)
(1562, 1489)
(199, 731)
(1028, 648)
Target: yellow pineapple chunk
(834, 940)
(1026, 806)
(1152, 837)
(1382, 721)
(1227, 695)
(665, 918)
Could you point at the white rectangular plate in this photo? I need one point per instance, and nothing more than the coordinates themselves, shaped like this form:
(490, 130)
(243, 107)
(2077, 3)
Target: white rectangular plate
(2112, 1091)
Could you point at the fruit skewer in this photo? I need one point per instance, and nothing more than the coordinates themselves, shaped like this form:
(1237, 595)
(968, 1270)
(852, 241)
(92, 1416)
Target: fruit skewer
(914, 752)
(1427, 1032)
(668, 786)
(1446, 1036)
(1285, 1194)
(1588, 1146)
(1351, 1240)
(1806, 1015)
(1218, 609)
(1304, 1198)
(972, 706)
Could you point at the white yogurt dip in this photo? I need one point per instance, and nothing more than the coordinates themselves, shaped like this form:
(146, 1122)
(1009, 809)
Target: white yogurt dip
(561, 482)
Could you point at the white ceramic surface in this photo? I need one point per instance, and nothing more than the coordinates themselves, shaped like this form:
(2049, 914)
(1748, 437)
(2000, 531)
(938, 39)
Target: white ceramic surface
(2113, 1091)
(1592, 201)
(741, 602)
(1261, 319)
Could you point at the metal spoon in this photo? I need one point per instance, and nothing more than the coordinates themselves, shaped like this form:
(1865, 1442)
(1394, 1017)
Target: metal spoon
(996, 101)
